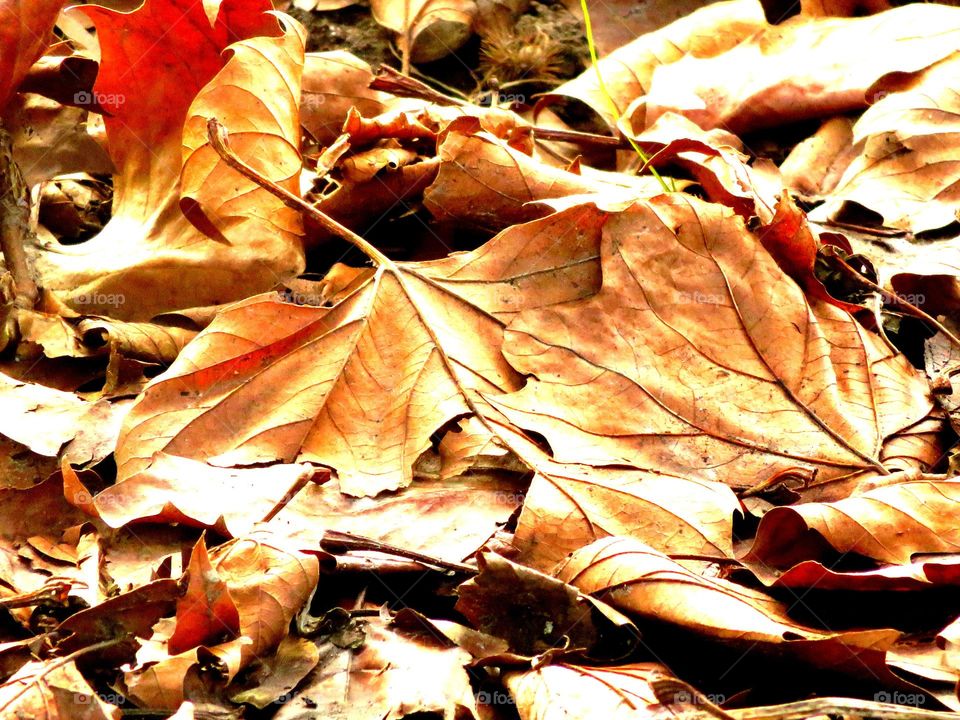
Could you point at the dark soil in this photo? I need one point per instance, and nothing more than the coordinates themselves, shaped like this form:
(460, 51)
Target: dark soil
(354, 29)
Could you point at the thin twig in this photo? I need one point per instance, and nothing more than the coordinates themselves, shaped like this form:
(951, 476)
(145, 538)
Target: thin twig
(333, 539)
(220, 142)
(59, 662)
(894, 299)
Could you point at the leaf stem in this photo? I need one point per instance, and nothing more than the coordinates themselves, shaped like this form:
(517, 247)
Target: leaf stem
(220, 141)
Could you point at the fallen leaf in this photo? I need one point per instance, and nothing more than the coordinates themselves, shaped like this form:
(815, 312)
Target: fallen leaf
(428, 29)
(405, 353)
(51, 690)
(578, 692)
(694, 359)
(26, 28)
(149, 257)
(397, 672)
(265, 611)
(628, 71)
(640, 581)
(333, 83)
(205, 612)
(889, 524)
(177, 489)
(537, 613)
(907, 169)
(798, 70)
(569, 506)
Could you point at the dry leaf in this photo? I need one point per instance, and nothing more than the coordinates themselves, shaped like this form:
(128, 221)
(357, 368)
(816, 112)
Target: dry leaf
(205, 612)
(569, 506)
(799, 70)
(638, 580)
(26, 27)
(700, 358)
(395, 673)
(907, 167)
(428, 29)
(628, 71)
(889, 524)
(149, 258)
(405, 353)
(52, 690)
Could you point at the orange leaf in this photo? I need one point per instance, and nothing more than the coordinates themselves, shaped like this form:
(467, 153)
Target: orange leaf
(206, 612)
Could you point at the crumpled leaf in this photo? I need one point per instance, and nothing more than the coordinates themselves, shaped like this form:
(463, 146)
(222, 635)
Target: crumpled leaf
(34, 518)
(537, 613)
(700, 358)
(485, 183)
(265, 610)
(889, 524)
(278, 675)
(26, 28)
(334, 82)
(205, 612)
(907, 167)
(428, 29)
(638, 580)
(799, 69)
(150, 258)
(628, 71)
(789, 239)
(363, 385)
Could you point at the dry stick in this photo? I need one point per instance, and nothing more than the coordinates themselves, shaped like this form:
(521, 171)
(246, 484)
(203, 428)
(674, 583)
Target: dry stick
(333, 539)
(15, 224)
(219, 141)
(59, 662)
(894, 299)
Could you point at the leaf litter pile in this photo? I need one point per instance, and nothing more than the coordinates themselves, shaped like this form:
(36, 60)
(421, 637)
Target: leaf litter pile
(617, 391)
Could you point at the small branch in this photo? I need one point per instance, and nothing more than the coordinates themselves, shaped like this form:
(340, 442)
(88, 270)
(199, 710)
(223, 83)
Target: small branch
(893, 298)
(59, 662)
(220, 141)
(333, 540)
(396, 83)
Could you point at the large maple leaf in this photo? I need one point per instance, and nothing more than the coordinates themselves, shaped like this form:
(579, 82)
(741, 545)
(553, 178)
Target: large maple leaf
(363, 385)
(700, 357)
